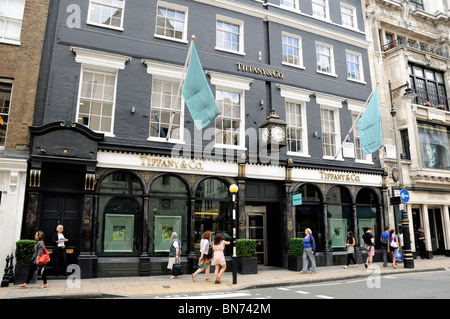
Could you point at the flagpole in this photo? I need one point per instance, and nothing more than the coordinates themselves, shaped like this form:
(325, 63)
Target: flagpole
(354, 123)
(183, 75)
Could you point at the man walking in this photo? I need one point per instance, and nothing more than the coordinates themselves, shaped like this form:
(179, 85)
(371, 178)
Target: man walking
(420, 236)
(384, 240)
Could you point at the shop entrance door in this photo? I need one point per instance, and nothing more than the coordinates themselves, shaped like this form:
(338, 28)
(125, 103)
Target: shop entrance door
(436, 231)
(256, 229)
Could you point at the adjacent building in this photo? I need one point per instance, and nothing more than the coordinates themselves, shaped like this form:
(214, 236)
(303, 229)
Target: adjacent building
(22, 30)
(115, 156)
(411, 44)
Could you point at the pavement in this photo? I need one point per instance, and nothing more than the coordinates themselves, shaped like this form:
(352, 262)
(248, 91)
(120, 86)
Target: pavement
(145, 287)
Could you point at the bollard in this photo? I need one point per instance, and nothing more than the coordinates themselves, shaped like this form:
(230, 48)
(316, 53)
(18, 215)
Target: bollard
(11, 269)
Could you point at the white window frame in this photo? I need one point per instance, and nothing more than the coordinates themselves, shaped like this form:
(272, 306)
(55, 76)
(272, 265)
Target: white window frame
(294, 7)
(326, 10)
(169, 73)
(238, 85)
(301, 97)
(334, 105)
(8, 18)
(331, 59)
(353, 16)
(2, 147)
(174, 7)
(239, 23)
(360, 66)
(102, 62)
(98, 2)
(299, 50)
(356, 108)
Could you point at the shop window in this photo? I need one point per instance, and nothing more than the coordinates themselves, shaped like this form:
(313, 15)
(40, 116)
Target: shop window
(366, 213)
(339, 215)
(168, 213)
(212, 209)
(434, 145)
(310, 215)
(120, 215)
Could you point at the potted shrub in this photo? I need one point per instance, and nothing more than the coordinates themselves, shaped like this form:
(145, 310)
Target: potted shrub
(295, 257)
(247, 262)
(23, 256)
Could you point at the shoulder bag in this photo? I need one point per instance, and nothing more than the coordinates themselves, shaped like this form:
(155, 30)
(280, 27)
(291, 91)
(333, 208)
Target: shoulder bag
(44, 258)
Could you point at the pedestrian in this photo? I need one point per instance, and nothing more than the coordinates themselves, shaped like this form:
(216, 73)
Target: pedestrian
(368, 241)
(204, 261)
(60, 250)
(309, 248)
(38, 250)
(393, 245)
(350, 244)
(174, 253)
(420, 236)
(218, 259)
(384, 238)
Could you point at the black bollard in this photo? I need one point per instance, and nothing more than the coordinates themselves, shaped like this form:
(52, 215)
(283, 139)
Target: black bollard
(11, 269)
(5, 280)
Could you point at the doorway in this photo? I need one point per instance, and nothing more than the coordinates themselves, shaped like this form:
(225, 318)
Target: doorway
(436, 231)
(256, 229)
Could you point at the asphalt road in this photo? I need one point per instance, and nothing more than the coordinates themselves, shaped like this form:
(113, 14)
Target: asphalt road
(428, 285)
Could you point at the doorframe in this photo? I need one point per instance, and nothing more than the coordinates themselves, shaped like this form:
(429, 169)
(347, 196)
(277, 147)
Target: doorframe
(257, 210)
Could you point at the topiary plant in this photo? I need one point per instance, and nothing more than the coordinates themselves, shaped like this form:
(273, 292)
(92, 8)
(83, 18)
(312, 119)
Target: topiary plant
(246, 248)
(296, 246)
(24, 251)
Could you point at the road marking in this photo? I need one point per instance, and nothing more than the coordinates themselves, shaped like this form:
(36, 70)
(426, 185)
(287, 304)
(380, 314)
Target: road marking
(224, 296)
(285, 289)
(324, 297)
(302, 292)
(319, 285)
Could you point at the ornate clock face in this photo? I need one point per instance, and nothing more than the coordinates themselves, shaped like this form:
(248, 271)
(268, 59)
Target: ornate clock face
(278, 134)
(264, 134)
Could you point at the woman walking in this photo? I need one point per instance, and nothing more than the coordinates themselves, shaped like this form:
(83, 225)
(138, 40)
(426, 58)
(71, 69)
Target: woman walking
(204, 261)
(309, 247)
(38, 250)
(219, 257)
(350, 244)
(174, 253)
(392, 246)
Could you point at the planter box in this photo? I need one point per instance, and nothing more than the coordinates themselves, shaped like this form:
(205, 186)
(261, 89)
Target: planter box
(247, 266)
(295, 263)
(21, 273)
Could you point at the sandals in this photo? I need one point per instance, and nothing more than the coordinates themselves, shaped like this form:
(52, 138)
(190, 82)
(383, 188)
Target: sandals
(23, 286)
(193, 277)
(43, 286)
(208, 280)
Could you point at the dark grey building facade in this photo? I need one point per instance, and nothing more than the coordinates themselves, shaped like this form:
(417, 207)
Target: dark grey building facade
(116, 157)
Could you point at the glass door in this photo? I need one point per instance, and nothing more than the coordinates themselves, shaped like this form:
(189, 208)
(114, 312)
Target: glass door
(256, 229)
(436, 230)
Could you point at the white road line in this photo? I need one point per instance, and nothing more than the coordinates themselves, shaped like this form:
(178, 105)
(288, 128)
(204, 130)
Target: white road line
(221, 296)
(285, 289)
(319, 285)
(324, 297)
(302, 292)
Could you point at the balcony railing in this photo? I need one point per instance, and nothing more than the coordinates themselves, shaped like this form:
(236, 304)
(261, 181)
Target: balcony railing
(417, 46)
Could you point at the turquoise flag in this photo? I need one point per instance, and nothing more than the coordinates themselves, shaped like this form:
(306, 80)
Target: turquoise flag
(197, 94)
(370, 128)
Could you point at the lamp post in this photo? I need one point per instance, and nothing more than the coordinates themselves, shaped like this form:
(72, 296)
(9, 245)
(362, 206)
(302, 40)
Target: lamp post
(233, 190)
(408, 260)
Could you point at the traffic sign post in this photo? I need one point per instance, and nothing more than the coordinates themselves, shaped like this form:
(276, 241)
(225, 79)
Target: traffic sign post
(408, 259)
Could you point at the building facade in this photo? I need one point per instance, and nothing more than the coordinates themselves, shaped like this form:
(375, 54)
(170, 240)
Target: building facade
(22, 29)
(116, 158)
(411, 44)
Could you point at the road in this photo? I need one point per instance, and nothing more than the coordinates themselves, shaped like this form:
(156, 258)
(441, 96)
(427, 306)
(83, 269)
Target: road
(429, 285)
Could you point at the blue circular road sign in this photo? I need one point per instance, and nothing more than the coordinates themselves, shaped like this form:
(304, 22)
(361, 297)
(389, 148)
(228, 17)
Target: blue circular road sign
(404, 195)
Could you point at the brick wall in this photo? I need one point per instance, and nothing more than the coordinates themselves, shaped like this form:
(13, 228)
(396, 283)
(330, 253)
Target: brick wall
(21, 63)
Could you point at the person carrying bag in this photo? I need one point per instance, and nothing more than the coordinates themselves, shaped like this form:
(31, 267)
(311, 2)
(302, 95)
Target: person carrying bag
(175, 257)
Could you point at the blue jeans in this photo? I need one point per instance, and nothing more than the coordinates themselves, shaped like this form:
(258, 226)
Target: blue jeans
(308, 255)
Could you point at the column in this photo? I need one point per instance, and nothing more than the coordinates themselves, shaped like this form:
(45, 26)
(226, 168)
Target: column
(446, 225)
(426, 230)
(144, 259)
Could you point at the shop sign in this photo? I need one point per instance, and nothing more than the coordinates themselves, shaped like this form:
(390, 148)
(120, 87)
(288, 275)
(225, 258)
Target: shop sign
(340, 177)
(297, 199)
(261, 71)
(171, 163)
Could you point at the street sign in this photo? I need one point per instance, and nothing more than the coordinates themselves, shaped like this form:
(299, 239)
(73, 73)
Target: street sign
(395, 200)
(296, 199)
(404, 195)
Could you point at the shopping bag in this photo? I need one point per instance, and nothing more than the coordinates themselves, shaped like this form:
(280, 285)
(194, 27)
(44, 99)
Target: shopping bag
(398, 254)
(177, 269)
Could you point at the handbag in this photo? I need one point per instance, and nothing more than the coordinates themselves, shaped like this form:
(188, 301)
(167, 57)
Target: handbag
(177, 269)
(210, 254)
(394, 245)
(44, 258)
